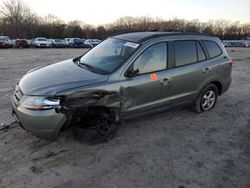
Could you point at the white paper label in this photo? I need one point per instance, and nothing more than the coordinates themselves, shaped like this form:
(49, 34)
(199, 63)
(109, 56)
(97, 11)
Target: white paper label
(131, 44)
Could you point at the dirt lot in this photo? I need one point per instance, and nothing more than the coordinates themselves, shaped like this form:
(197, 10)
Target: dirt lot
(173, 149)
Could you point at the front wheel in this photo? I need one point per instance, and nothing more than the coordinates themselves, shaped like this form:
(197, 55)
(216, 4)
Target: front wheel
(207, 99)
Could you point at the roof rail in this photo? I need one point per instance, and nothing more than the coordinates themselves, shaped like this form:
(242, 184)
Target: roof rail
(159, 30)
(135, 31)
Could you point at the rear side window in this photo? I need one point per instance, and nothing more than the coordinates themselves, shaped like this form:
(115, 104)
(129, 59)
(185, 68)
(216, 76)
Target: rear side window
(212, 48)
(185, 52)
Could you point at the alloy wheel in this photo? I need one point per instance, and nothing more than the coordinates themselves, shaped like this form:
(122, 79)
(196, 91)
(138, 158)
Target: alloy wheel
(208, 100)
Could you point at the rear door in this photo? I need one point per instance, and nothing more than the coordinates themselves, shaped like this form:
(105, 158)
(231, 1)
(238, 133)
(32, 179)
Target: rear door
(189, 70)
(221, 66)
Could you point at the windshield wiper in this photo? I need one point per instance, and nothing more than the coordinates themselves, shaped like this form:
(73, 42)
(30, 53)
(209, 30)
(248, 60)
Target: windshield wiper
(92, 68)
(86, 65)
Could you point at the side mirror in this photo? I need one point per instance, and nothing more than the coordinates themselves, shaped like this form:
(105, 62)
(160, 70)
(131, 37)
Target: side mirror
(132, 73)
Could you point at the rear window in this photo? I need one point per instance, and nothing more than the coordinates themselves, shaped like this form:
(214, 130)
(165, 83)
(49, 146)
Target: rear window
(185, 52)
(212, 48)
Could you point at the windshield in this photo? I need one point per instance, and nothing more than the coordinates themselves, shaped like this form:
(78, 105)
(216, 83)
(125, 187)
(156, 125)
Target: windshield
(58, 40)
(77, 40)
(109, 55)
(4, 37)
(42, 39)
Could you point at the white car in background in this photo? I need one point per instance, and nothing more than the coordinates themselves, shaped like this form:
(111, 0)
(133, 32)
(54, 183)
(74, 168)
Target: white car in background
(41, 42)
(247, 44)
(92, 42)
(7, 41)
(67, 40)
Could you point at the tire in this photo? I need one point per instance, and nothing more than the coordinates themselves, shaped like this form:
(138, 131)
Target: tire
(99, 130)
(206, 99)
(106, 130)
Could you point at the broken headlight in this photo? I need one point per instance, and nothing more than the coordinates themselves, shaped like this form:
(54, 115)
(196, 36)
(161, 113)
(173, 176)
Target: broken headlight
(40, 103)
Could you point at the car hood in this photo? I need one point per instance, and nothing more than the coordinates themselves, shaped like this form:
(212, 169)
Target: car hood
(58, 77)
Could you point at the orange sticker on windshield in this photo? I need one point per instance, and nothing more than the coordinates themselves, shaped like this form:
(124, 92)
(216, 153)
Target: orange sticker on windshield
(99, 52)
(153, 77)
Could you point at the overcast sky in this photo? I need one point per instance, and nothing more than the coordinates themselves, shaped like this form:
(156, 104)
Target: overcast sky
(106, 11)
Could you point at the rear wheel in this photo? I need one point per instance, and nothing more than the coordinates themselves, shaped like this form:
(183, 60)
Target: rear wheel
(207, 99)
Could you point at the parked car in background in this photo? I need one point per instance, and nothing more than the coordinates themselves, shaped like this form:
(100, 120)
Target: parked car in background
(13, 42)
(247, 44)
(230, 44)
(29, 41)
(67, 40)
(233, 43)
(7, 40)
(49, 41)
(21, 43)
(226, 43)
(239, 44)
(83, 40)
(78, 43)
(58, 43)
(3, 43)
(41, 42)
(92, 42)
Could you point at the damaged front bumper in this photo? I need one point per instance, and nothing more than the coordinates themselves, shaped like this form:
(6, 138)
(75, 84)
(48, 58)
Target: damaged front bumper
(45, 124)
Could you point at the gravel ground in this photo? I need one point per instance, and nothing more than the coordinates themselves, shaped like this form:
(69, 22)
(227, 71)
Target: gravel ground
(178, 148)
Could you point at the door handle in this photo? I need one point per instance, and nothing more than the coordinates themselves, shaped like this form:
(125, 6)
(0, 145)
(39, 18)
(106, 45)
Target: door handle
(207, 69)
(165, 81)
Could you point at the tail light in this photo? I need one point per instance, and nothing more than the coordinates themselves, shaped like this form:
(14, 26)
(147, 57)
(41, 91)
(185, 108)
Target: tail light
(230, 62)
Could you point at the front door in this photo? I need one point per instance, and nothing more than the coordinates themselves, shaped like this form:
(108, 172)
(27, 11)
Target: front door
(148, 89)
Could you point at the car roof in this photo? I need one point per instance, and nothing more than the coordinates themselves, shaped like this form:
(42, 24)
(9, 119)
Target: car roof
(140, 37)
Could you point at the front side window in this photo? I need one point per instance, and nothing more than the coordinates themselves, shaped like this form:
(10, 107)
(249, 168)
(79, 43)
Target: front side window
(185, 52)
(109, 55)
(212, 48)
(152, 59)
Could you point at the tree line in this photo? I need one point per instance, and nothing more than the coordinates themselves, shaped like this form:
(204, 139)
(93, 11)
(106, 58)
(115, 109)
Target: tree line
(18, 21)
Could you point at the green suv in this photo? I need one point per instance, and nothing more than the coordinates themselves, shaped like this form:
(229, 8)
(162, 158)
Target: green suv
(125, 76)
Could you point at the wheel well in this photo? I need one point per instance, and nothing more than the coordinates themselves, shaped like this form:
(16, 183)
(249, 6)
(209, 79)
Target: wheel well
(89, 114)
(218, 85)
(86, 114)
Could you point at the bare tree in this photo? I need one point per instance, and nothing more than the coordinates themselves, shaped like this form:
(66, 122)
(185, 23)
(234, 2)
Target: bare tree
(14, 12)
(17, 20)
